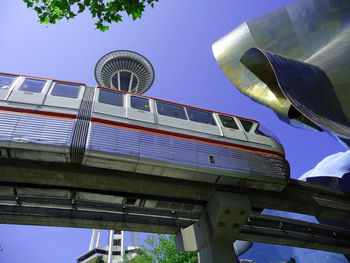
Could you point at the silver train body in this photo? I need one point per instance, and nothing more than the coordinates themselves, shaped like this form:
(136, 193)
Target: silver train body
(57, 121)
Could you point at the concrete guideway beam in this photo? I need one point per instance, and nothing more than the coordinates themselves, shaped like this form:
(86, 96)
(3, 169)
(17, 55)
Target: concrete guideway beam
(33, 205)
(217, 229)
(298, 197)
(39, 193)
(44, 216)
(291, 232)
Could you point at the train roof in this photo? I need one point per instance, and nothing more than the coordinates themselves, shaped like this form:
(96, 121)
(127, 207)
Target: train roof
(81, 83)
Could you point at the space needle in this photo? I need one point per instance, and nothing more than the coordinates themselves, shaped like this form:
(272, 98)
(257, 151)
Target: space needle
(127, 71)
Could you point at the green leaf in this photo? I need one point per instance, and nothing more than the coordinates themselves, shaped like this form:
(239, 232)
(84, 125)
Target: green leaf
(29, 4)
(106, 11)
(81, 8)
(38, 10)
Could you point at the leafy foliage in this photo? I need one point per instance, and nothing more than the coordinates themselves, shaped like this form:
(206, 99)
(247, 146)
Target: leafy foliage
(161, 249)
(99, 259)
(106, 11)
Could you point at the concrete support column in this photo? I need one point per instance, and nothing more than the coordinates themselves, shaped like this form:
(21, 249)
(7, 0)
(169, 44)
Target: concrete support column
(122, 249)
(217, 229)
(98, 238)
(110, 246)
(132, 234)
(138, 239)
(92, 241)
(217, 252)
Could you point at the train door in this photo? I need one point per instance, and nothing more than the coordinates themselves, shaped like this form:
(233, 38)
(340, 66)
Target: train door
(30, 91)
(230, 128)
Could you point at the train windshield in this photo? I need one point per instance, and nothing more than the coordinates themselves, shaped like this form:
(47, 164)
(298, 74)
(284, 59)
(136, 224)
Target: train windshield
(247, 125)
(262, 130)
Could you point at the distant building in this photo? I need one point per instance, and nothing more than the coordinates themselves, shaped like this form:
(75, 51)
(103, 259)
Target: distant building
(114, 252)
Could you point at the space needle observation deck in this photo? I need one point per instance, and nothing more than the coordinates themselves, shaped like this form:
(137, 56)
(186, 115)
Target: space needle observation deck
(125, 70)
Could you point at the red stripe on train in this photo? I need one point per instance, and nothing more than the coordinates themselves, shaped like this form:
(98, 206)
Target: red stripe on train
(185, 136)
(145, 129)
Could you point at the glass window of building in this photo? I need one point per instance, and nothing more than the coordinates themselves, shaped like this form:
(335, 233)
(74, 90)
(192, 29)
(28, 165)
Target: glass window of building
(115, 81)
(228, 122)
(200, 116)
(111, 97)
(134, 83)
(171, 110)
(6, 81)
(32, 85)
(247, 125)
(65, 90)
(125, 81)
(139, 103)
(125, 78)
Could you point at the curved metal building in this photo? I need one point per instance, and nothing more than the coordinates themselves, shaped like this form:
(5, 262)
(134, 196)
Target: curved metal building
(295, 60)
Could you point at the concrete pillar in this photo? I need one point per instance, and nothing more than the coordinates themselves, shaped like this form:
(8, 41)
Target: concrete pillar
(217, 229)
(110, 246)
(92, 241)
(217, 252)
(138, 239)
(132, 234)
(98, 238)
(122, 249)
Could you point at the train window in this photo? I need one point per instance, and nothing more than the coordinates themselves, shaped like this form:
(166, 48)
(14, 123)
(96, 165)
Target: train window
(65, 90)
(139, 103)
(111, 97)
(247, 125)
(6, 81)
(228, 122)
(171, 110)
(200, 116)
(32, 85)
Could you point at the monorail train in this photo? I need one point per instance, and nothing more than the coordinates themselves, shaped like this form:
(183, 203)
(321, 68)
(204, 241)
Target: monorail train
(57, 121)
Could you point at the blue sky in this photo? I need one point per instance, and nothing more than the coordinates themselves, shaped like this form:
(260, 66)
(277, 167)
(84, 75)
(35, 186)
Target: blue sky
(176, 36)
